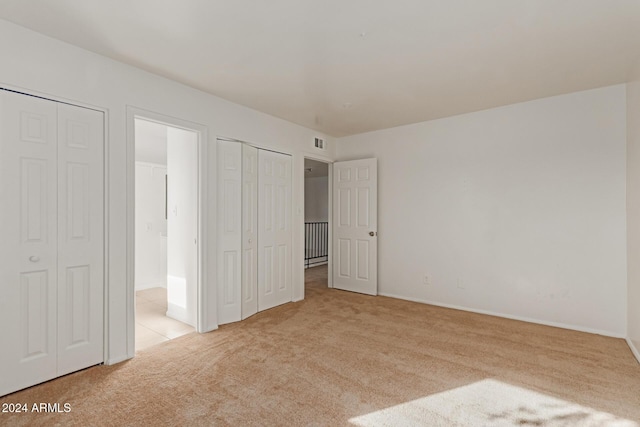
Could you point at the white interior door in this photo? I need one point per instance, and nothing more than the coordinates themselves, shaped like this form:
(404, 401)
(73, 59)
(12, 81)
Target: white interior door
(28, 241)
(274, 229)
(254, 230)
(229, 231)
(249, 231)
(355, 226)
(80, 238)
(51, 240)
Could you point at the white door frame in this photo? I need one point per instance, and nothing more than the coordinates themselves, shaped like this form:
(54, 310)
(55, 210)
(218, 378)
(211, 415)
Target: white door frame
(329, 216)
(106, 184)
(201, 130)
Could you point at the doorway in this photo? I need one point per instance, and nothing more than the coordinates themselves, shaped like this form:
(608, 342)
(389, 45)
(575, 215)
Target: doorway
(166, 230)
(316, 223)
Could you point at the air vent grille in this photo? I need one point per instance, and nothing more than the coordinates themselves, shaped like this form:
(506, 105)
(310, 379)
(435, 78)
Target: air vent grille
(319, 143)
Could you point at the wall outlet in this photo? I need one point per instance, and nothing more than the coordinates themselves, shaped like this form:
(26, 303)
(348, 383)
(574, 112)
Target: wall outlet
(460, 284)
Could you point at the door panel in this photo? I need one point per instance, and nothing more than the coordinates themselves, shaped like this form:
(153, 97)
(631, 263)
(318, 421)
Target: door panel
(355, 226)
(249, 231)
(33, 189)
(35, 313)
(229, 231)
(78, 319)
(28, 239)
(274, 229)
(344, 257)
(363, 255)
(80, 238)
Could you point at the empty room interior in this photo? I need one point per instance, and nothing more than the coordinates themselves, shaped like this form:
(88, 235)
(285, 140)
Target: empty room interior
(320, 213)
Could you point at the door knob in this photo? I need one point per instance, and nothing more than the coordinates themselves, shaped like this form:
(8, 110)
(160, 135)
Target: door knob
(372, 233)
(34, 258)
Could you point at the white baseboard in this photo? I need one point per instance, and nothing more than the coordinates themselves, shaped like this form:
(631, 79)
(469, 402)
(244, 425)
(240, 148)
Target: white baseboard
(316, 265)
(634, 350)
(178, 313)
(509, 316)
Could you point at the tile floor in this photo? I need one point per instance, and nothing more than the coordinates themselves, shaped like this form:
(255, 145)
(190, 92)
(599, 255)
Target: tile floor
(152, 325)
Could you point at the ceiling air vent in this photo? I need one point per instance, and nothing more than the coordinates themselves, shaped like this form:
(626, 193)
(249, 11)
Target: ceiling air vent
(319, 143)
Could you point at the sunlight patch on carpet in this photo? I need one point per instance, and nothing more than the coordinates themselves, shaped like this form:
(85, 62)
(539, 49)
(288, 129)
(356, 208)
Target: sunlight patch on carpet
(490, 402)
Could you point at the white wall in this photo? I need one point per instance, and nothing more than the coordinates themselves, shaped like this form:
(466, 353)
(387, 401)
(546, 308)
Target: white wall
(633, 211)
(517, 211)
(151, 226)
(151, 142)
(182, 224)
(316, 203)
(38, 64)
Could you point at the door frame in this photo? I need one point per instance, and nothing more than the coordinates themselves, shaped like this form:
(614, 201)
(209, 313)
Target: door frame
(105, 197)
(134, 113)
(329, 216)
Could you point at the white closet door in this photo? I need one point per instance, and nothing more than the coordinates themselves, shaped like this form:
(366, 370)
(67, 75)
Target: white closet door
(28, 241)
(80, 238)
(274, 229)
(249, 231)
(51, 240)
(229, 231)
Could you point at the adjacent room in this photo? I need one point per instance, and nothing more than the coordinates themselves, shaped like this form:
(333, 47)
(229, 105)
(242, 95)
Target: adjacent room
(166, 227)
(320, 213)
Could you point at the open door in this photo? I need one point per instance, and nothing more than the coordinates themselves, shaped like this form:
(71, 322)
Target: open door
(355, 226)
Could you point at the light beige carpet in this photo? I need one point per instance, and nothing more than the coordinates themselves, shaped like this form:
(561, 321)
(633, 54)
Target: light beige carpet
(339, 358)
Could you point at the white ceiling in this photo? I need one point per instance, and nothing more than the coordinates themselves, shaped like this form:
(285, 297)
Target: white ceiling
(350, 66)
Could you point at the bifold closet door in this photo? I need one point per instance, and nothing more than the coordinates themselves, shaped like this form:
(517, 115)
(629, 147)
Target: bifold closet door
(28, 241)
(249, 231)
(51, 240)
(229, 231)
(274, 229)
(80, 238)
(254, 253)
